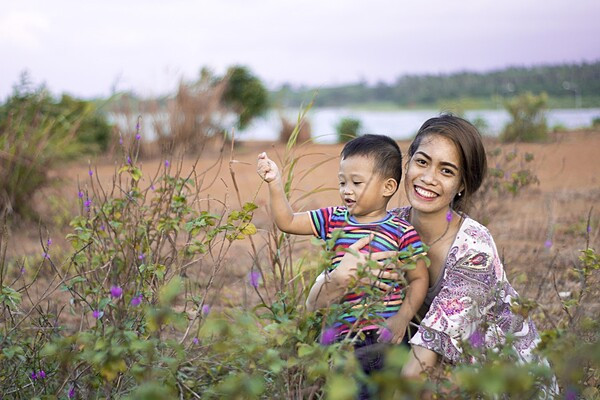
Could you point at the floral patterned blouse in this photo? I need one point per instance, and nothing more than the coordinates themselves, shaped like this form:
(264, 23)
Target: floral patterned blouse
(474, 301)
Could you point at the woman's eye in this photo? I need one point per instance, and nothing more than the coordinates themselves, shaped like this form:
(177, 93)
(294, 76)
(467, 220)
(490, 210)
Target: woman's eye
(420, 161)
(357, 183)
(447, 171)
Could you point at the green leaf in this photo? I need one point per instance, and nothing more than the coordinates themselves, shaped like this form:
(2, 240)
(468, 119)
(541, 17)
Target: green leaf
(136, 174)
(249, 207)
(169, 292)
(340, 387)
(305, 350)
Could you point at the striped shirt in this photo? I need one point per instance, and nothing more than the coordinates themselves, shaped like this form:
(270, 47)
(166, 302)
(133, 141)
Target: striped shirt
(390, 233)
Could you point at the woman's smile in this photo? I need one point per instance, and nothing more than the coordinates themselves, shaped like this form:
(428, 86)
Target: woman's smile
(424, 193)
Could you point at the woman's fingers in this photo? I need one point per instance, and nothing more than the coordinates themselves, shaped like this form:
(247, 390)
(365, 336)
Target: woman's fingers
(378, 284)
(359, 244)
(384, 274)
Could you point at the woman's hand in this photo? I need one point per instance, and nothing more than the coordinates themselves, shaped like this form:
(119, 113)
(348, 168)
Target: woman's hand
(330, 287)
(394, 331)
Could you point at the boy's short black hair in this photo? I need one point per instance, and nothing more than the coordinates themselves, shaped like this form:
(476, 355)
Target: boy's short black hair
(383, 150)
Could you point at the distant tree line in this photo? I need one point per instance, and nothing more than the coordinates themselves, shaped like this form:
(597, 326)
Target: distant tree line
(581, 81)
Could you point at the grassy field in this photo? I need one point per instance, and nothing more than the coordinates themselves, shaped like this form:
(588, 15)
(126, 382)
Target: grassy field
(191, 286)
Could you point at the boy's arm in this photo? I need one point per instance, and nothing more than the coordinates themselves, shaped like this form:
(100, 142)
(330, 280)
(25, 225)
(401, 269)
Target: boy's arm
(418, 283)
(285, 219)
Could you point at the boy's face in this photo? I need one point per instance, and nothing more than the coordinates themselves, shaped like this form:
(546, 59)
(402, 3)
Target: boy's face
(361, 189)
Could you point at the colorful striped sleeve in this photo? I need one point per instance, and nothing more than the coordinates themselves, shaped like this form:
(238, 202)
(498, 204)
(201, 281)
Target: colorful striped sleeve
(410, 240)
(320, 221)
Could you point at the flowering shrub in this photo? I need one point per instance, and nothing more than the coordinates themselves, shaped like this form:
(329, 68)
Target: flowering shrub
(124, 313)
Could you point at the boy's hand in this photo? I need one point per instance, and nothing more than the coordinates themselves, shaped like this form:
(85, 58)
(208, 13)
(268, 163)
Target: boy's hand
(266, 168)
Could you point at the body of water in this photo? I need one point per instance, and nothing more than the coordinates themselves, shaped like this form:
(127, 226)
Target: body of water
(402, 124)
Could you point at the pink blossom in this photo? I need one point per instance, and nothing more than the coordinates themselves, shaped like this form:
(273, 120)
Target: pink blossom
(328, 336)
(385, 335)
(116, 291)
(477, 339)
(254, 278)
(136, 301)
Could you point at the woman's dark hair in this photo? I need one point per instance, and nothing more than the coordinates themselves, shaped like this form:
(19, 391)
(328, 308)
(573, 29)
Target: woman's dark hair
(467, 139)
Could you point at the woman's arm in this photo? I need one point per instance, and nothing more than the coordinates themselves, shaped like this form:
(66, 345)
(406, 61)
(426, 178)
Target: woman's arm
(419, 360)
(330, 287)
(418, 283)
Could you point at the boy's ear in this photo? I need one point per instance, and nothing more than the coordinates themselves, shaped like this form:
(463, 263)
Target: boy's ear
(389, 187)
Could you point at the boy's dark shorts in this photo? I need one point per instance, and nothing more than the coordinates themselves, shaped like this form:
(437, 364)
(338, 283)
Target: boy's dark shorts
(371, 353)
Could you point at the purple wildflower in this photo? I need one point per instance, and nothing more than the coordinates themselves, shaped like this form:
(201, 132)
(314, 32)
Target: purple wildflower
(205, 309)
(167, 163)
(46, 256)
(141, 256)
(102, 227)
(97, 314)
(128, 160)
(90, 172)
(71, 393)
(87, 204)
(138, 136)
(254, 278)
(589, 229)
(195, 340)
(116, 291)
(152, 187)
(571, 394)
(477, 339)
(120, 140)
(22, 270)
(80, 194)
(33, 376)
(385, 335)
(49, 242)
(328, 336)
(136, 301)
(41, 374)
(548, 243)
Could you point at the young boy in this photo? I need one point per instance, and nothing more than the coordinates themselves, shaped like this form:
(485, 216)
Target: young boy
(369, 175)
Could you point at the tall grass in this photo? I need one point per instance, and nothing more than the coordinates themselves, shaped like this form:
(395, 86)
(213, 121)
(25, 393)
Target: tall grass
(137, 308)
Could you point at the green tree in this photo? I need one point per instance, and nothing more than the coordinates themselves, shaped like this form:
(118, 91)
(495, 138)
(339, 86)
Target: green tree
(347, 129)
(36, 133)
(245, 95)
(528, 122)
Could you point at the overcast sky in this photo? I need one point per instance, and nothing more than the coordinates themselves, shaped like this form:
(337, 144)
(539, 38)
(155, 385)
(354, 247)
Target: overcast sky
(88, 48)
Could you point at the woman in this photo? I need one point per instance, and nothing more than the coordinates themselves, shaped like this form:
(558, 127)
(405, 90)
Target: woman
(469, 297)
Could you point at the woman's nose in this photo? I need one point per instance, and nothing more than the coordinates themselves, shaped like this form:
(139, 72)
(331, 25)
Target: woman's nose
(428, 176)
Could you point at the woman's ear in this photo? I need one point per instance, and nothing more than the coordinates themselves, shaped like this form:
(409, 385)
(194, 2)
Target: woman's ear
(389, 187)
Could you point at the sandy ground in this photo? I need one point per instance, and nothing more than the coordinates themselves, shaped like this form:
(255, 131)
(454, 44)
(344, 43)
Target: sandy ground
(568, 169)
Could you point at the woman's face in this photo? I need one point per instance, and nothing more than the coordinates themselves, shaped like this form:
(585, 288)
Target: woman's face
(433, 175)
